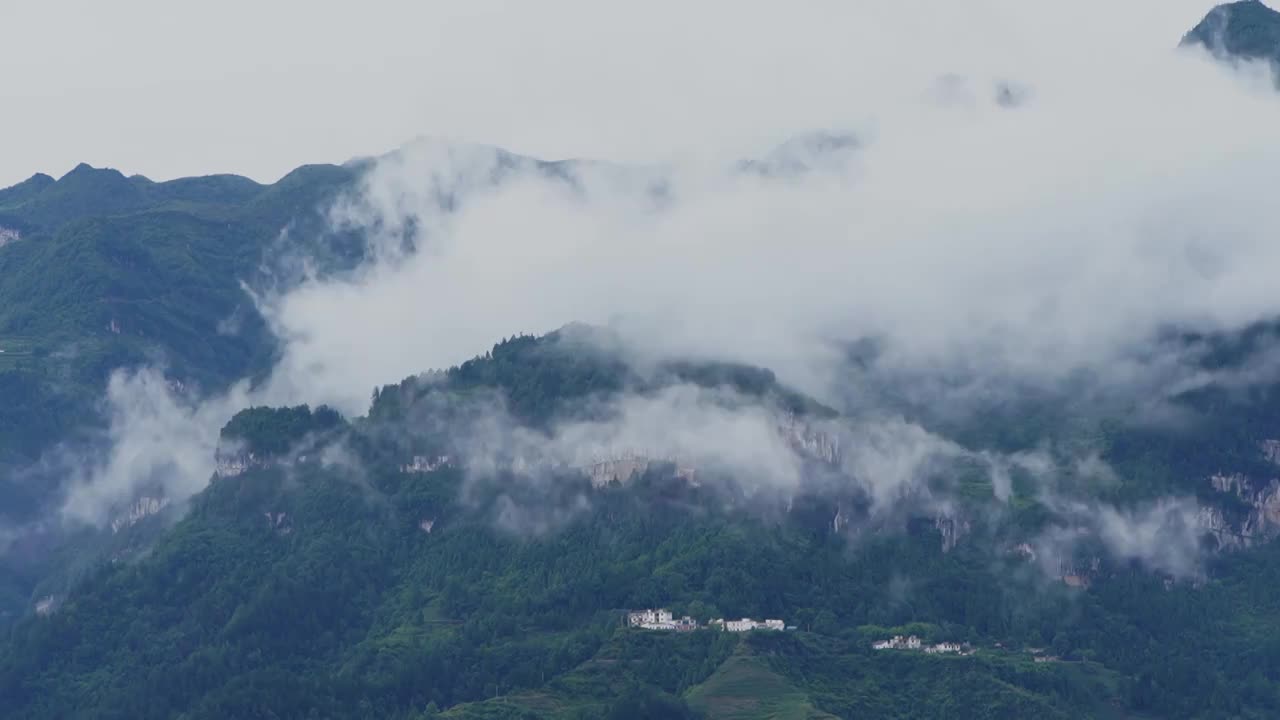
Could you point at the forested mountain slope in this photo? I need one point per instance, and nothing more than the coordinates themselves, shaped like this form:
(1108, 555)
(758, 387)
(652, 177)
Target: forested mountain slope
(103, 271)
(328, 575)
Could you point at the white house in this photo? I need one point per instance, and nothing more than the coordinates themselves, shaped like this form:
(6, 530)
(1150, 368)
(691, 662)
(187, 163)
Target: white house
(660, 619)
(911, 642)
(642, 617)
(685, 624)
(944, 647)
(747, 625)
(898, 642)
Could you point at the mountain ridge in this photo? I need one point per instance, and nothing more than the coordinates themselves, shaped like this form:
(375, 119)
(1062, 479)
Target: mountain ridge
(410, 576)
(1246, 29)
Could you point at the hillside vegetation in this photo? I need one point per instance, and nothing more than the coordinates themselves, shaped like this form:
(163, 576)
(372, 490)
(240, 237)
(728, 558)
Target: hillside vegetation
(304, 588)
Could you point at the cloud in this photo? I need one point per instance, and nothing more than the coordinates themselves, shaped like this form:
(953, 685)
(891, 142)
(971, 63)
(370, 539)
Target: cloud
(983, 243)
(159, 442)
(1126, 194)
(711, 430)
(1163, 535)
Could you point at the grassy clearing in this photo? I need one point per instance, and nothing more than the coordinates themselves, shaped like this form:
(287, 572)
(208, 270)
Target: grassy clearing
(744, 688)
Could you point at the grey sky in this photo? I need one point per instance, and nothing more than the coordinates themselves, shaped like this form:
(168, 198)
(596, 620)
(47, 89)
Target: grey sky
(174, 88)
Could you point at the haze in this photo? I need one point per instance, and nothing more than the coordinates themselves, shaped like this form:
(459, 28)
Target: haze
(256, 89)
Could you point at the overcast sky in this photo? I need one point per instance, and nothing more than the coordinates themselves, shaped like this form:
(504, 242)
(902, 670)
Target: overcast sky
(169, 89)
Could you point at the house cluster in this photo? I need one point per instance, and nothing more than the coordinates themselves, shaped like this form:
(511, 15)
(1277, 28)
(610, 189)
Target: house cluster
(747, 625)
(898, 642)
(911, 642)
(662, 619)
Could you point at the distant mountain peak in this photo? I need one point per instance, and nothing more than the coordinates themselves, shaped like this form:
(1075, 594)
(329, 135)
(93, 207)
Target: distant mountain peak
(802, 153)
(87, 170)
(25, 190)
(1247, 29)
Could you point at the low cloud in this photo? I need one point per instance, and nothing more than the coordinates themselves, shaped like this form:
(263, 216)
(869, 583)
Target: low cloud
(1006, 197)
(1163, 536)
(1006, 243)
(159, 442)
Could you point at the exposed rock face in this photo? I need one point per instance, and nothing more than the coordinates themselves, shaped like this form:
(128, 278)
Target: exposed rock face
(620, 469)
(1079, 574)
(1214, 521)
(952, 527)
(424, 464)
(233, 465)
(278, 521)
(839, 522)
(807, 440)
(142, 508)
(624, 466)
(46, 605)
(1271, 451)
(1261, 523)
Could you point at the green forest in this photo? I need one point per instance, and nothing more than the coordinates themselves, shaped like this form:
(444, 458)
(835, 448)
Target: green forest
(301, 590)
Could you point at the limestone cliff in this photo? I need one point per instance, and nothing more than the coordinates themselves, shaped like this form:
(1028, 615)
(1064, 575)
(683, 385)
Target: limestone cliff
(142, 508)
(1260, 519)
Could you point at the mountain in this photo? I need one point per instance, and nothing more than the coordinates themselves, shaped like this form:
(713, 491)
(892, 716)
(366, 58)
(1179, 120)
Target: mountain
(430, 559)
(1247, 29)
(483, 541)
(25, 190)
(103, 271)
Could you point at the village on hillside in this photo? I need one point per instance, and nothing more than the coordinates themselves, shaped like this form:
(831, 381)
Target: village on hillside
(662, 619)
(912, 642)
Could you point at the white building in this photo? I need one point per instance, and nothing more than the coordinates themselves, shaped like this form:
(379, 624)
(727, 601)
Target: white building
(660, 619)
(747, 625)
(898, 642)
(685, 624)
(944, 647)
(911, 642)
(638, 618)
